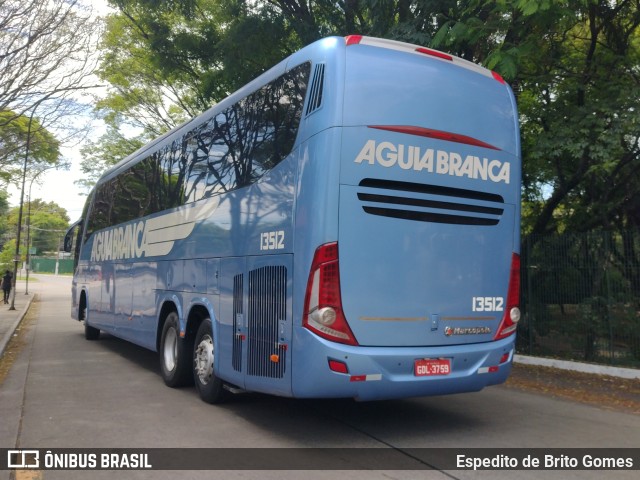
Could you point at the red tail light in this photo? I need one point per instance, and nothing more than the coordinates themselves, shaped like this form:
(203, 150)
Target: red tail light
(353, 39)
(512, 312)
(323, 304)
(434, 53)
(498, 77)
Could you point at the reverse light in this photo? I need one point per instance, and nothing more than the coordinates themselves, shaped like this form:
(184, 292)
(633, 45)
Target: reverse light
(323, 303)
(511, 316)
(326, 316)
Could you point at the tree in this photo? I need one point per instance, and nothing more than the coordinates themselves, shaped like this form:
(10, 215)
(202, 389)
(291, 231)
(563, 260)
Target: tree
(167, 61)
(7, 254)
(573, 66)
(45, 52)
(4, 207)
(109, 149)
(47, 60)
(46, 221)
(44, 147)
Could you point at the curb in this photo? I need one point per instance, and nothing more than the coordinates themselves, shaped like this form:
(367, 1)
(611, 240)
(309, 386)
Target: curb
(7, 336)
(579, 367)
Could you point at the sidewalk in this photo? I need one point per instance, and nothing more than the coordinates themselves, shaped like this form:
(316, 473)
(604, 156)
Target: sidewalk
(10, 319)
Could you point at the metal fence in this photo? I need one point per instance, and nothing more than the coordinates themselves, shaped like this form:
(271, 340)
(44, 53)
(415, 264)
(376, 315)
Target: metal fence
(581, 297)
(51, 265)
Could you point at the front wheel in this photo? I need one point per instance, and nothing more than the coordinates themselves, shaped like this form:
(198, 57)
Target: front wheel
(175, 354)
(210, 387)
(91, 333)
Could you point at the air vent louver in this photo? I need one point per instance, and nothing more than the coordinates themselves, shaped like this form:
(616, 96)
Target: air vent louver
(317, 86)
(430, 203)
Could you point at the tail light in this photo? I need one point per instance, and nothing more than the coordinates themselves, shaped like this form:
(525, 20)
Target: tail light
(512, 312)
(323, 304)
(353, 39)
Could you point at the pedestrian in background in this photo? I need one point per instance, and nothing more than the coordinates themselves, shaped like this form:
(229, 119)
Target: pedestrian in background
(6, 286)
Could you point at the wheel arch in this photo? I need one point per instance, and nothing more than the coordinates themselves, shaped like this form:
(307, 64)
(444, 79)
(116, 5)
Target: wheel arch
(168, 306)
(197, 313)
(82, 305)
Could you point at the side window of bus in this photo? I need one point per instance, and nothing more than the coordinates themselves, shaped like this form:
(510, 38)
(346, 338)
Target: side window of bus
(266, 125)
(135, 192)
(171, 166)
(220, 166)
(195, 151)
(277, 109)
(243, 142)
(100, 215)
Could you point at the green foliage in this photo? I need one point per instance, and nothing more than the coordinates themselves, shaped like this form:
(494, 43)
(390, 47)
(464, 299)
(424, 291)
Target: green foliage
(98, 156)
(15, 132)
(6, 256)
(4, 208)
(45, 221)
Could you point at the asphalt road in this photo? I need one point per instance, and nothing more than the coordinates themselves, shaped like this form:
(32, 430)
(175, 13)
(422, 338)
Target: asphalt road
(66, 392)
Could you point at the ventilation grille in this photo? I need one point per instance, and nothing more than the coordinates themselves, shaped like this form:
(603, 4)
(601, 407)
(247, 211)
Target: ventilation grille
(430, 203)
(238, 321)
(317, 86)
(267, 310)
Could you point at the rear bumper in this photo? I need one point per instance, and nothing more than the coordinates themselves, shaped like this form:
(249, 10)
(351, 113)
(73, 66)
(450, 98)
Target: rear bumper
(377, 373)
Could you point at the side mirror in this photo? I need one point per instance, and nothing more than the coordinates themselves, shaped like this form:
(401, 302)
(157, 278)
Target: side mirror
(68, 242)
(70, 236)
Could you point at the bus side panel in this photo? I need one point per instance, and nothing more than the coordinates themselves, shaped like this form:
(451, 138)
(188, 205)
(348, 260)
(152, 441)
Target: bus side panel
(140, 325)
(230, 359)
(317, 204)
(97, 315)
(123, 290)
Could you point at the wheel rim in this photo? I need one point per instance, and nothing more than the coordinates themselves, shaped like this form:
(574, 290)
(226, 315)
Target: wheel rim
(170, 351)
(203, 359)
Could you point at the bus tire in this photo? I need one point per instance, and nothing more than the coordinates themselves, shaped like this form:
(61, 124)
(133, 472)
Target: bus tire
(175, 354)
(91, 333)
(210, 387)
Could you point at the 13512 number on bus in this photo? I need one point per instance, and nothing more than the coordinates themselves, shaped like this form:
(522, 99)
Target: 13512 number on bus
(272, 240)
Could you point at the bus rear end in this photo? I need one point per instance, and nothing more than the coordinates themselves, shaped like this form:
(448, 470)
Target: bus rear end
(419, 294)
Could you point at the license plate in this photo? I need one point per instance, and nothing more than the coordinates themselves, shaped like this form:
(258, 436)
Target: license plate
(432, 366)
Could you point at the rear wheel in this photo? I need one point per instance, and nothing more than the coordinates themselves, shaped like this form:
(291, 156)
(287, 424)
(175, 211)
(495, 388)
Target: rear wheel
(210, 387)
(91, 333)
(175, 354)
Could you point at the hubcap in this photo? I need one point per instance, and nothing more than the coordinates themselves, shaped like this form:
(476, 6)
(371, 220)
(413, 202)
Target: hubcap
(203, 359)
(170, 349)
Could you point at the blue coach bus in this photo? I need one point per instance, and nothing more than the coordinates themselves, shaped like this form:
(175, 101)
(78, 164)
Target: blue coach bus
(345, 225)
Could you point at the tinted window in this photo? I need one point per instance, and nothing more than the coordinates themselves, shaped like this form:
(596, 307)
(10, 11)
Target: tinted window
(231, 150)
(239, 145)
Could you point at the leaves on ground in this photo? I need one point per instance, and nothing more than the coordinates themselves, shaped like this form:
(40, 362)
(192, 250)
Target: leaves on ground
(604, 391)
